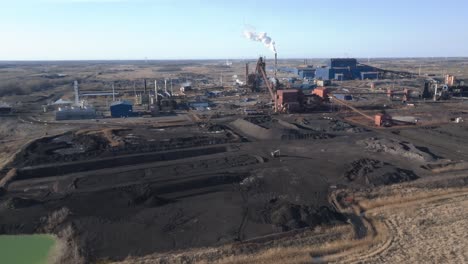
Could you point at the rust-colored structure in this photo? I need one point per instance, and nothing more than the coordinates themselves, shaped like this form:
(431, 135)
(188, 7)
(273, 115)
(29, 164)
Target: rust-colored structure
(449, 80)
(321, 92)
(380, 119)
(289, 100)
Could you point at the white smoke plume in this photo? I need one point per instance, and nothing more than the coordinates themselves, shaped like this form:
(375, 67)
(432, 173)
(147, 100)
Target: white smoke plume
(261, 37)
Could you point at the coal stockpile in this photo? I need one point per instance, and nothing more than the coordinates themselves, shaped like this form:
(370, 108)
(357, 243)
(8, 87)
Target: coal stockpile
(51, 150)
(398, 148)
(65, 168)
(371, 172)
(266, 128)
(288, 216)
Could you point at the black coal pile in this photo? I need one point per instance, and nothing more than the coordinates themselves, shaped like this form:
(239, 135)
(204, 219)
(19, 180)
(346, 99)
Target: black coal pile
(373, 172)
(287, 216)
(17, 203)
(145, 196)
(398, 148)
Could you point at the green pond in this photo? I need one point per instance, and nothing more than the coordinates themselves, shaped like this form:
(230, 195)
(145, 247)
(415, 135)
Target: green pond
(25, 249)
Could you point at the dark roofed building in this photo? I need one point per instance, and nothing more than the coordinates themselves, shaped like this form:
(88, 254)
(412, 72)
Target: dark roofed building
(121, 109)
(339, 63)
(346, 69)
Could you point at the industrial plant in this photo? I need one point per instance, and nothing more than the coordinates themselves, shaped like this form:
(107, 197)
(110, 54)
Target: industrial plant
(259, 160)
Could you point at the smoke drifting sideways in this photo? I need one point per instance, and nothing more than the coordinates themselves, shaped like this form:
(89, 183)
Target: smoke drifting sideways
(261, 37)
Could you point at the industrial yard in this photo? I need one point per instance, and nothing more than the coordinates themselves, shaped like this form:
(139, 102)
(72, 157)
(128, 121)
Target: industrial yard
(266, 160)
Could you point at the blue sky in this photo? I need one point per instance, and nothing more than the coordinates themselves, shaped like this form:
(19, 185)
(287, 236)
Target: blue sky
(198, 29)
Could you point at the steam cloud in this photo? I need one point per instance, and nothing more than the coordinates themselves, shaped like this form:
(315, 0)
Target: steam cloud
(261, 37)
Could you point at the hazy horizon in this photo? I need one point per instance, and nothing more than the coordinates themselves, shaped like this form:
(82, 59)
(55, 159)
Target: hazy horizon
(237, 59)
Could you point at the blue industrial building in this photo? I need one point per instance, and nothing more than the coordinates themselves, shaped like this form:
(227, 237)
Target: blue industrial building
(305, 72)
(342, 63)
(346, 69)
(121, 109)
(369, 75)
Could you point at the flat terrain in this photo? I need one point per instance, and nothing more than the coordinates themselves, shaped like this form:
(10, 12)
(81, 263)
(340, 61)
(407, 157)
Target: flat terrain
(202, 185)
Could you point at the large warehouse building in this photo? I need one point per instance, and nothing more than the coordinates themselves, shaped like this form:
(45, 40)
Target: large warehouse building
(346, 69)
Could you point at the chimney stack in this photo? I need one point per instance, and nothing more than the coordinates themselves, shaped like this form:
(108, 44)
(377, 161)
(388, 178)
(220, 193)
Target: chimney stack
(276, 63)
(247, 73)
(77, 96)
(156, 91)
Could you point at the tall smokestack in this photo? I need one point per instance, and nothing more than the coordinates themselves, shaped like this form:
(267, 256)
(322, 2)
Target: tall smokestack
(276, 63)
(77, 96)
(156, 91)
(165, 86)
(144, 91)
(247, 73)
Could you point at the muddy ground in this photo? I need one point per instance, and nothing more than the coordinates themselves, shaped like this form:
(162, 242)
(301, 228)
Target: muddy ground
(136, 191)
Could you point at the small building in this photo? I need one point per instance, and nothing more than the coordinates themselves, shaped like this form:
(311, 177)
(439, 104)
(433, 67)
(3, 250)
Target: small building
(322, 83)
(187, 88)
(307, 72)
(344, 97)
(121, 109)
(382, 119)
(5, 109)
(321, 92)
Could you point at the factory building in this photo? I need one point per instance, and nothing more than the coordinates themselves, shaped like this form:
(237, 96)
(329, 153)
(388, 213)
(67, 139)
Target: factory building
(305, 72)
(346, 69)
(75, 114)
(121, 109)
(289, 99)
